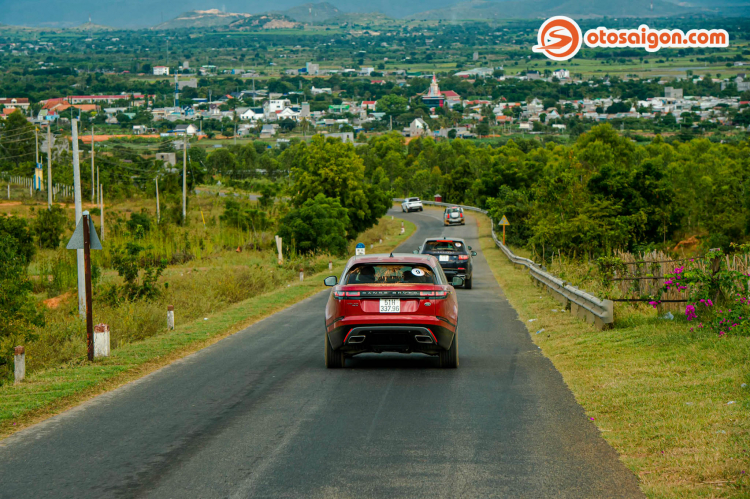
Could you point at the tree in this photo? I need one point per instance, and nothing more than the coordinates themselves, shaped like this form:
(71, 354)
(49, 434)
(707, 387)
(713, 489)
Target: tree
(392, 105)
(16, 306)
(222, 161)
(328, 166)
(318, 225)
(17, 140)
(48, 227)
(18, 230)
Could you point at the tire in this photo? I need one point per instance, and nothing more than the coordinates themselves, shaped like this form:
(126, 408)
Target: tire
(421, 209)
(334, 358)
(449, 358)
(467, 283)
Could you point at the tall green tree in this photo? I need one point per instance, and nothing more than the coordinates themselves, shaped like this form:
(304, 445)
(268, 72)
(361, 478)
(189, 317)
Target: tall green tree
(17, 143)
(329, 167)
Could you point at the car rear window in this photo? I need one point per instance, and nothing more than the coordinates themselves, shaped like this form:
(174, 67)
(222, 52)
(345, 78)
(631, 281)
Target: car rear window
(453, 210)
(413, 199)
(445, 245)
(391, 274)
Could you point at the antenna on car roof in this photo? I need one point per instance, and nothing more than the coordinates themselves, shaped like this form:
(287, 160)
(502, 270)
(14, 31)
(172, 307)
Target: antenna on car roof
(391, 255)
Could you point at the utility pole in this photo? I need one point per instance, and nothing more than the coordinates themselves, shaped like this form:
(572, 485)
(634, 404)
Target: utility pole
(79, 213)
(93, 187)
(101, 209)
(87, 273)
(36, 140)
(49, 166)
(158, 210)
(97, 184)
(184, 177)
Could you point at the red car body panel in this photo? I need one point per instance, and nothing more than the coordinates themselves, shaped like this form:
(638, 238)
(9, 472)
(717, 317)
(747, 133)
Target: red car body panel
(424, 307)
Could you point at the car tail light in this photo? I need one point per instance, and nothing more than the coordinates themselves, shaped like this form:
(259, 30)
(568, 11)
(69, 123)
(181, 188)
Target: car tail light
(338, 294)
(463, 257)
(461, 268)
(441, 294)
(352, 294)
(426, 293)
(462, 215)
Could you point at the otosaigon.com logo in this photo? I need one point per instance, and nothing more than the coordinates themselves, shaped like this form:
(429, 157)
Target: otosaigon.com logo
(559, 38)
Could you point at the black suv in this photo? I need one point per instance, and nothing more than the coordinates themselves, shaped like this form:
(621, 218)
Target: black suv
(454, 257)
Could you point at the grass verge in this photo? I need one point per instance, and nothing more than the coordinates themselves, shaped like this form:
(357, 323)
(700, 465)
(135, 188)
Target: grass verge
(669, 400)
(47, 392)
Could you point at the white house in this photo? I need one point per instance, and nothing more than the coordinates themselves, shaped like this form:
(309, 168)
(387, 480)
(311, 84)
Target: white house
(161, 70)
(252, 114)
(288, 113)
(561, 74)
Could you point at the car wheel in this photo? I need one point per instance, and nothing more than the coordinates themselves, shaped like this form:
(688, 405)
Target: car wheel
(467, 283)
(449, 358)
(421, 209)
(334, 358)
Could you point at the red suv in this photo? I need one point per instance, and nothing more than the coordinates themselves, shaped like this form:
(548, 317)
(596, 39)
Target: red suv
(387, 303)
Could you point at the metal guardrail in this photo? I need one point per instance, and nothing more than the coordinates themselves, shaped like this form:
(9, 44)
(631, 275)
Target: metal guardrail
(583, 305)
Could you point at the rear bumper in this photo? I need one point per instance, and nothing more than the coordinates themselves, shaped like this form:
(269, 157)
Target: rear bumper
(398, 334)
(450, 221)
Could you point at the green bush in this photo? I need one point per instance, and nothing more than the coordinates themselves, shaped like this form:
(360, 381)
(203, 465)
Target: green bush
(319, 225)
(140, 274)
(49, 226)
(17, 307)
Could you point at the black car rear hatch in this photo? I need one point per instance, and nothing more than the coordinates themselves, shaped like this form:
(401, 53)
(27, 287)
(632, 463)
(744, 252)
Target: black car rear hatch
(452, 255)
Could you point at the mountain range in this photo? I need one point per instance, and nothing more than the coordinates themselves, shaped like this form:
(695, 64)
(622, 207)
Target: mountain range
(208, 13)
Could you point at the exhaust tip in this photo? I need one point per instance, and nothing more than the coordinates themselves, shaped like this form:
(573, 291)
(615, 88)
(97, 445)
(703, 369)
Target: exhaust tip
(356, 339)
(423, 339)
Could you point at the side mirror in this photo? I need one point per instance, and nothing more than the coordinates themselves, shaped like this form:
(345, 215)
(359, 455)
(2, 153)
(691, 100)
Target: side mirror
(331, 280)
(457, 281)
(469, 248)
(473, 253)
(416, 252)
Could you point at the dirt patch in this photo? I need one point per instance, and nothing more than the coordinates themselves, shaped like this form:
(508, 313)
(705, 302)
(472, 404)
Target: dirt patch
(53, 303)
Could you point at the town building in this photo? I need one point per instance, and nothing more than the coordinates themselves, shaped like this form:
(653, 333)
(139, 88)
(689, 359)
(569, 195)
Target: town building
(14, 103)
(433, 98)
(161, 71)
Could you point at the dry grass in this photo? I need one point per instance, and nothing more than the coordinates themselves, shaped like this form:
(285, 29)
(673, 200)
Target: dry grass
(670, 401)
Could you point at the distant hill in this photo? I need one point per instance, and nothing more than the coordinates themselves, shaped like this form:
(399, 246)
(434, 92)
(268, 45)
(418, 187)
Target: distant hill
(202, 19)
(579, 9)
(369, 18)
(265, 21)
(310, 13)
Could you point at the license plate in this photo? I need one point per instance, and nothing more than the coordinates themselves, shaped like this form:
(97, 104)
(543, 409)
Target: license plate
(444, 258)
(390, 306)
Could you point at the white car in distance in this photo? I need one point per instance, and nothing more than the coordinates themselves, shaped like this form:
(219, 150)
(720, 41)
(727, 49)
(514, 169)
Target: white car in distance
(411, 204)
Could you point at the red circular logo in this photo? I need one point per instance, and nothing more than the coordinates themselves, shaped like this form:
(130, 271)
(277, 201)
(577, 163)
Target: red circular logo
(559, 38)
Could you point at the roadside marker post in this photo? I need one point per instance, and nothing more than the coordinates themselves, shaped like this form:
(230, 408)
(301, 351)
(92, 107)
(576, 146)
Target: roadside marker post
(278, 247)
(101, 340)
(359, 250)
(170, 317)
(85, 238)
(19, 364)
(504, 222)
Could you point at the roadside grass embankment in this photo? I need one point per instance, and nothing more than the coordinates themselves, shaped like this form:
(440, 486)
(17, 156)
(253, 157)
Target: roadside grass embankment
(670, 401)
(210, 304)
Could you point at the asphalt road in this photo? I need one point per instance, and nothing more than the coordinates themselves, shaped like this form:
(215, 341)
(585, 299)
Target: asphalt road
(258, 415)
